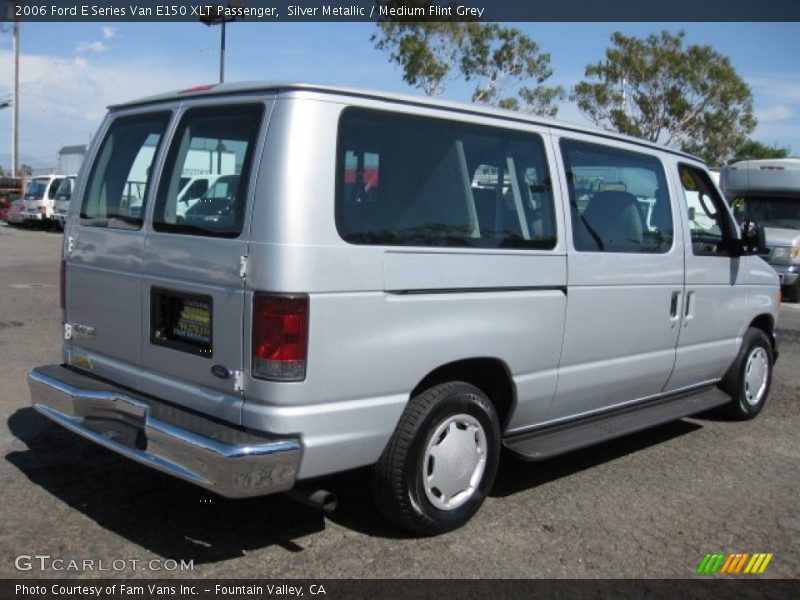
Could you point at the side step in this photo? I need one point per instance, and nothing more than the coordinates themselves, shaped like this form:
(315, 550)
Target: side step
(552, 441)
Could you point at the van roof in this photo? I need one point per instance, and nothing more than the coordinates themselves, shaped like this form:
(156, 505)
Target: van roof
(408, 99)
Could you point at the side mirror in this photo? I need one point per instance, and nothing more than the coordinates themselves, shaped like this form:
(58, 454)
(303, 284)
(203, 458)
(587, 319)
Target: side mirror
(753, 238)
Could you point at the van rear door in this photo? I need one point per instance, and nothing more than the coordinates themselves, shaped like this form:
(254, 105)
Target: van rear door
(104, 247)
(193, 268)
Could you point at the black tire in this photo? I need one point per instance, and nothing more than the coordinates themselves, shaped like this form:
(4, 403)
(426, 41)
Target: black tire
(398, 478)
(792, 292)
(748, 400)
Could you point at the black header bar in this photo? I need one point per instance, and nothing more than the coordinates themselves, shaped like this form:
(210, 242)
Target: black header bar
(270, 11)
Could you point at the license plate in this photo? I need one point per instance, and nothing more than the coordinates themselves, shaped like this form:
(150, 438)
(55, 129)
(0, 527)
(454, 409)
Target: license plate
(181, 321)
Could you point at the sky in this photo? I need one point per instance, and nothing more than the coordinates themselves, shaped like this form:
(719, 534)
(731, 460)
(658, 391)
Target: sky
(70, 72)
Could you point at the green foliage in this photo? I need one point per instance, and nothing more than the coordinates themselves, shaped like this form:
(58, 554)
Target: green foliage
(498, 60)
(751, 149)
(657, 89)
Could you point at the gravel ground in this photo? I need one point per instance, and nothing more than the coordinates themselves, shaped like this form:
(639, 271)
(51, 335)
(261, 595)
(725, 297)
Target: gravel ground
(648, 505)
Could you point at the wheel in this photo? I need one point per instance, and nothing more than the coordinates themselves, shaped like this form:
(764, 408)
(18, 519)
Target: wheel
(749, 377)
(792, 292)
(441, 461)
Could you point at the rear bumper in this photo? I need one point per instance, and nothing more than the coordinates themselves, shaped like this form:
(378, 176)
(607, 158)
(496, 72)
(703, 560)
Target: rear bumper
(215, 456)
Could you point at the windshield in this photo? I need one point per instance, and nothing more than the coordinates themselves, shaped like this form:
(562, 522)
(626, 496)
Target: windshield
(781, 212)
(225, 187)
(36, 187)
(65, 189)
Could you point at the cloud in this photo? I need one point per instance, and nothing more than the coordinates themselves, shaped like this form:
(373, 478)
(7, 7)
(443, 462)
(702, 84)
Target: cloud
(63, 100)
(785, 89)
(108, 33)
(780, 112)
(96, 47)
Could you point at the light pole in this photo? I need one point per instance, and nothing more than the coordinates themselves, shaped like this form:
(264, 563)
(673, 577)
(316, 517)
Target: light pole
(222, 20)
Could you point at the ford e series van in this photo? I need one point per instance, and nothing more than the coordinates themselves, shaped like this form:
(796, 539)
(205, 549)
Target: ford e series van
(395, 282)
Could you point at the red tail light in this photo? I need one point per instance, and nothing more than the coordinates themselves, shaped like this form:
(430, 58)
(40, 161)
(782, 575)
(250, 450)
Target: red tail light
(280, 337)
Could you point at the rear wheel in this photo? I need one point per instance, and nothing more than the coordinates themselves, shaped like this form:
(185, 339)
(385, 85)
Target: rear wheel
(749, 377)
(441, 460)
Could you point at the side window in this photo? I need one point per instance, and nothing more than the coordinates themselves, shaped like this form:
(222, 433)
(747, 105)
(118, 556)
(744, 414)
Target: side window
(417, 181)
(709, 227)
(217, 142)
(120, 175)
(618, 199)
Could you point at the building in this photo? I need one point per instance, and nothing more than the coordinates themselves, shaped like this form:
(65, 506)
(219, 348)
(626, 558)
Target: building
(70, 159)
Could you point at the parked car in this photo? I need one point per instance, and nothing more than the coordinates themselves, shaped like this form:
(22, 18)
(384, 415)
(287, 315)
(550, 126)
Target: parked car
(40, 199)
(395, 282)
(16, 212)
(769, 191)
(62, 198)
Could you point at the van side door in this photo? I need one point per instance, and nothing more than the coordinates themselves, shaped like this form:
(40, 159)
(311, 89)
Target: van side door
(714, 304)
(625, 277)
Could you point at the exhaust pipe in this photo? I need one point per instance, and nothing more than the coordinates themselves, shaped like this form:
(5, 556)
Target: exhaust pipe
(320, 499)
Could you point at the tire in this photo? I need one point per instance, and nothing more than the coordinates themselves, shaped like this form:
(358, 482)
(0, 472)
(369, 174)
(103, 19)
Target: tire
(455, 418)
(749, 377)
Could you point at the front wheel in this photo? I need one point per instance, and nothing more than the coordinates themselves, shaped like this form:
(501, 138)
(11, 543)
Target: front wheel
(749, 377)
(441, 460)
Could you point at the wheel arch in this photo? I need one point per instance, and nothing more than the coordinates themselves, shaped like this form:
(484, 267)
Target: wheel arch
(490, 375)
(766, 323)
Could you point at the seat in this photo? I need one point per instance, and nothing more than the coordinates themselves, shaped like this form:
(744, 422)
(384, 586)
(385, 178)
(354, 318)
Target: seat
(615, 221)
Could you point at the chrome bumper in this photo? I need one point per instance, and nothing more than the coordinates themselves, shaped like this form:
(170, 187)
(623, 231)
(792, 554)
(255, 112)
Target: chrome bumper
(788, 274)
(217, 457)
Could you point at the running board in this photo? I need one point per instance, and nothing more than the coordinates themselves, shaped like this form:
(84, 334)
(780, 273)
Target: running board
(552, 441)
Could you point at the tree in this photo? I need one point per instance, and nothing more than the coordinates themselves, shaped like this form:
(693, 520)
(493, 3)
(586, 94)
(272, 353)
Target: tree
(498, 60)
(657, 89)
(751, 149)
(24, 171)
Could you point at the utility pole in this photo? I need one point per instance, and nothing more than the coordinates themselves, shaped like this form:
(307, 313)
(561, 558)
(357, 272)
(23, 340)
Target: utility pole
(15, 92)
(15, 107)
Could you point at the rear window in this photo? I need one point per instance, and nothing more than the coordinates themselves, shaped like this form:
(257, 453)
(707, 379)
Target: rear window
(121, 173)
(217, 142)
(417, 181)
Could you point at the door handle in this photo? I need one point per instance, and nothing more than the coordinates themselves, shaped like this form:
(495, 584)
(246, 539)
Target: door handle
(689, 309)
(675, 306)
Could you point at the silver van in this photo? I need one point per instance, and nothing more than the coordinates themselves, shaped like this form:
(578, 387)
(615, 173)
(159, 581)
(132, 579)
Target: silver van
(395, 282)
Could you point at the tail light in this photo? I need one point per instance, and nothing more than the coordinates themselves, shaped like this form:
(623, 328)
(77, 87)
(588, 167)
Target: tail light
(280, 337)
